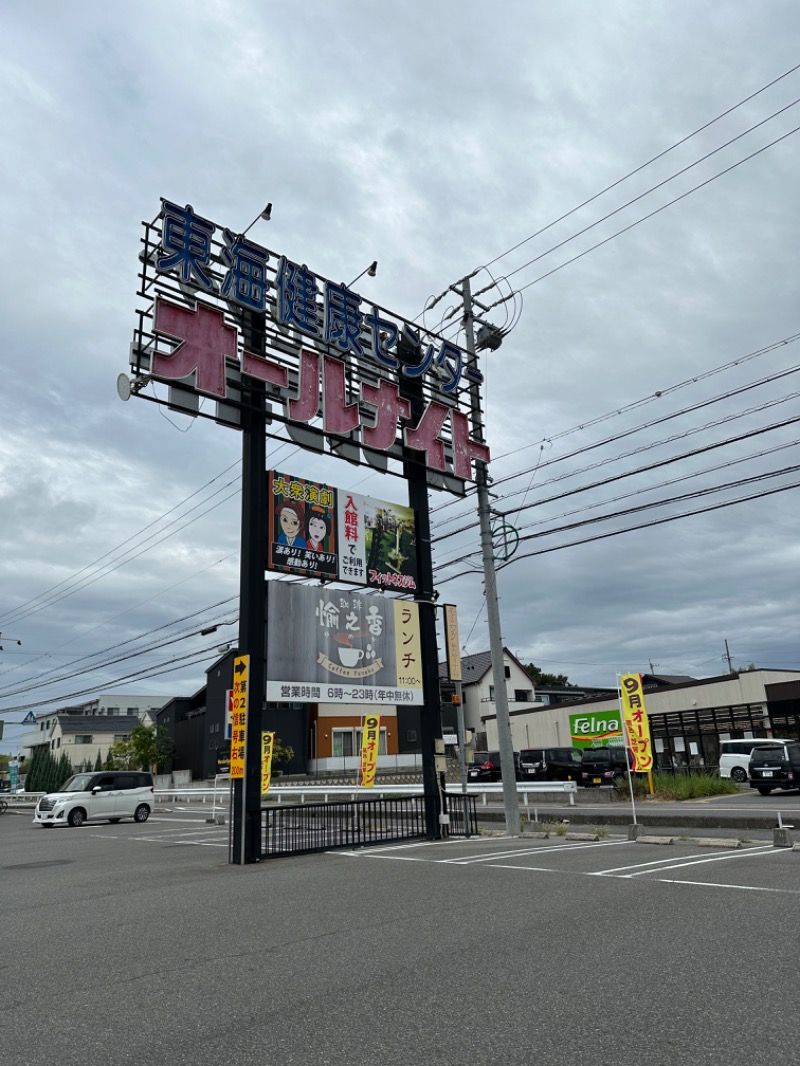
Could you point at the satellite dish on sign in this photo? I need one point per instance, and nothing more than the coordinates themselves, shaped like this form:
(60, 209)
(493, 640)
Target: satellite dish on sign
(124, 387)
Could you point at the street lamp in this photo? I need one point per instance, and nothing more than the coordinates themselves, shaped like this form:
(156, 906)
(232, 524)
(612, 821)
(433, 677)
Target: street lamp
(266, 214)
(370, 271)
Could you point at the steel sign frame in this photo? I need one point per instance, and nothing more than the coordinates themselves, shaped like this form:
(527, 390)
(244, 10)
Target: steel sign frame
(216, 308)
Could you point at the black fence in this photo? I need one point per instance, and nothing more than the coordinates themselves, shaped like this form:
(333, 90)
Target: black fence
(463, 813)
(307, 827)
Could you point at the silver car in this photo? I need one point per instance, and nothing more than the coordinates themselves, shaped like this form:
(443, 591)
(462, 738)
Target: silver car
(107, 795)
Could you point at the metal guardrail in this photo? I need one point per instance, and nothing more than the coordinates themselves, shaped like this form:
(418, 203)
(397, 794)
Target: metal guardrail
(323, 793)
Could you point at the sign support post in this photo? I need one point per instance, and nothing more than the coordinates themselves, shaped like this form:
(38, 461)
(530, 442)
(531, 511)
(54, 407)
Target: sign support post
(430, 712)
(252, 613)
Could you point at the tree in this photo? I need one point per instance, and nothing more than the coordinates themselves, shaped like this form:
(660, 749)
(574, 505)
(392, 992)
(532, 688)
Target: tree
(64, 770)
(539, 677)
(282, 752)
(46, 773)
(146, 746)
(98, 763)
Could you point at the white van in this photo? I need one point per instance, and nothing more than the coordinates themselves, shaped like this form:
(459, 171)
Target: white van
(734, 755)
(108, 795)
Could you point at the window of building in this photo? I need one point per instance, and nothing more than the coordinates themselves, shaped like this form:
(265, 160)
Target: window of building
(112, 710)
(508, 671)
(85, 738)
(348, 742)
(522, 695)
(120, 736)
(491, 693)
(133, 710)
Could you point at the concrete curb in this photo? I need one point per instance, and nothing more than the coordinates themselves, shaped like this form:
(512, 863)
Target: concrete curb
(713, 842)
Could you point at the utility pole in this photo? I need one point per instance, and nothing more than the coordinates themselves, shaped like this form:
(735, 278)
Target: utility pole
(507, 766)
(728, 657)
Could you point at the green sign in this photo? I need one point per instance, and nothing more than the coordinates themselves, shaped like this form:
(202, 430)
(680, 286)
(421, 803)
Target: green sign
(596, 729)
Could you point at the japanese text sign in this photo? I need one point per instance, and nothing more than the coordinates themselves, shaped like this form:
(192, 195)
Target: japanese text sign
(220, 308)
(331, 646)
(241, 669)
(301, 526)
(267, 744)
(370, 747)
(637, 727)
(317, 530)
(451, 642)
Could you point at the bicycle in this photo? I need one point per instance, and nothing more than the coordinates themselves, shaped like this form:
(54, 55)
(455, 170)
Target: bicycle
(3, 805)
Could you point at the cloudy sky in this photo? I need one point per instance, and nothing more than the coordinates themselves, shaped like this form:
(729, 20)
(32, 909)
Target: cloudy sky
(623, 174)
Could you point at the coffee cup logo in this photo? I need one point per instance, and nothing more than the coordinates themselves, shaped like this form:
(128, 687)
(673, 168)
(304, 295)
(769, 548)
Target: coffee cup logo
(350, 656)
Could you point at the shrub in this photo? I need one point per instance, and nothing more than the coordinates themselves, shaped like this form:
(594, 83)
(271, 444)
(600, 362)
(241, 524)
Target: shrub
(677, 786)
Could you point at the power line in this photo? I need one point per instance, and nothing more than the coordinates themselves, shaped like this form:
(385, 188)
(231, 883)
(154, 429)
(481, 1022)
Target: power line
(652, 398)
(123, 561)
(650, 215)
(642, 166)
(111, 551)
(646, 447)
(190, 659)
(653, 188)
(45, 678)
(628, 529)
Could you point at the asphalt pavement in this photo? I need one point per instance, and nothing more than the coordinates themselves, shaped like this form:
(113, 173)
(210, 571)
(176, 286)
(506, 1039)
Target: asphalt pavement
(139, 943)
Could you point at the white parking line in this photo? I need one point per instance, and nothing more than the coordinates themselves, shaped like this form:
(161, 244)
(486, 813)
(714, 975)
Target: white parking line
(733, 856)
(740, 888)
(548, 850)
(189, 843)
(687, 861)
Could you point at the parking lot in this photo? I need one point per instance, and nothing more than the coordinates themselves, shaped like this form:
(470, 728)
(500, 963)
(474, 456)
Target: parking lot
(140, 942)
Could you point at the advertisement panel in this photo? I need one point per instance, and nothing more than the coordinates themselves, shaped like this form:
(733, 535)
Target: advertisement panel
(636, 724)
(316, 530)
(596, 729)
(370, 744)
(301, 526)
(334, 646)
(378, 543)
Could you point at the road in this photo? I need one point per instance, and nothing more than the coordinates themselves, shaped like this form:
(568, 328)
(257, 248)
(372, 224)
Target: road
(140, 944)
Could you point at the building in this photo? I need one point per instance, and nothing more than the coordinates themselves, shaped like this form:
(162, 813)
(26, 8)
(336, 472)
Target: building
(87, 730)
(478, 697)
(688, 717)
(325, 737)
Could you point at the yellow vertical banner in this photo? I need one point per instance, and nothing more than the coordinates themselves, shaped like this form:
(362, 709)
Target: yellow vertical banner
(267, 744)
(241, 668)
(370, 746)
(637, 727)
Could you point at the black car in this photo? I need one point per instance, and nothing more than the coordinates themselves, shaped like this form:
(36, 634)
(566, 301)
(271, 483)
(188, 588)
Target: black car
(775, 766)
(602, 766)
(550, 764)
(490, 769)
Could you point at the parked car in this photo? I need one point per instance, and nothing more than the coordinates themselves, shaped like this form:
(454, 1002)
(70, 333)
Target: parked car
(110, 795)
(550, 764)
(734, 756)
(602, 766)
(478, 758)
(490, 769)
(775, 765)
